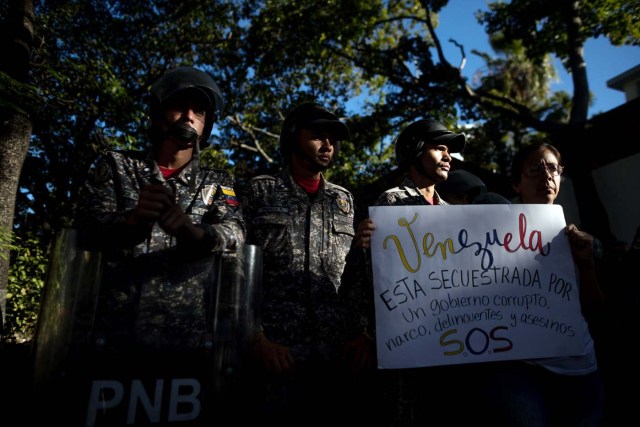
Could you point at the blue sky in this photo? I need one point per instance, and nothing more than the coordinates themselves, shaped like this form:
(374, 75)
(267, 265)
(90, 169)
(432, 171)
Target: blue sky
(604, 61)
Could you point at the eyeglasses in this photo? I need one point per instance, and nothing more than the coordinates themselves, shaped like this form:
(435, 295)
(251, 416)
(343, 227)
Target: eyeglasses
(540, 168)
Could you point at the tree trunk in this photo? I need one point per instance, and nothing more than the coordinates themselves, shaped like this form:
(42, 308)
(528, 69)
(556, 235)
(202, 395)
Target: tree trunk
(15, 131)
(592, 212)
(15, 127)
(577, 64)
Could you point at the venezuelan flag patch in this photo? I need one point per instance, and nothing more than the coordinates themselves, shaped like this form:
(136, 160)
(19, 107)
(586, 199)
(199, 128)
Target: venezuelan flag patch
(229, 195)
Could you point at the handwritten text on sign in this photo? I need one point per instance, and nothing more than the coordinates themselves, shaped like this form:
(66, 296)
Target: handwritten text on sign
(466, 284)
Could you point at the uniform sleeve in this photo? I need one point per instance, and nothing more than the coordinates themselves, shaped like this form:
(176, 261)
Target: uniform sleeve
(356, 293)
(249, 199)
(247, 207)
(356, 289)
(223, 224)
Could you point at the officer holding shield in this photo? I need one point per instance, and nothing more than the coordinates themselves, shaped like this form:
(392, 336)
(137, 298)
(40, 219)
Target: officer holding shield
(156, 216)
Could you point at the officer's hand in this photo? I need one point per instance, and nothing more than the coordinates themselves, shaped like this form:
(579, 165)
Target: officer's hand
(275, 358)
(153, 201)
(176, 223)
(360, 354)
(362, 239)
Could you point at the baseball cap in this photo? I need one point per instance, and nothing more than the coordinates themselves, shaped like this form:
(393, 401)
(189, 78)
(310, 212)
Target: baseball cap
(311, 115)
(433, 132)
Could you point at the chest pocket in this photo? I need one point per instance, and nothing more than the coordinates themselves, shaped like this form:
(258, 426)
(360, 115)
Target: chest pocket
(341, 237)
(271, 232)
(343, 229)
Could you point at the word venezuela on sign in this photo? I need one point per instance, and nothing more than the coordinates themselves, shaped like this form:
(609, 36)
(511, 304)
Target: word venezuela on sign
(473, 283)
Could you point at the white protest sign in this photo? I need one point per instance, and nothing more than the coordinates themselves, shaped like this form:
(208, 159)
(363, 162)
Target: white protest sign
(473, 283)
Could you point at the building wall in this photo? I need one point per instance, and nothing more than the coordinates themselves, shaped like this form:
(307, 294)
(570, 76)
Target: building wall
(632, 89)
(618, 185)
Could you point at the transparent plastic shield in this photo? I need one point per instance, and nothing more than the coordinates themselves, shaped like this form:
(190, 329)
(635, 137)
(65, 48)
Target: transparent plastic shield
(236, 317)
(68, 304)
(172, 351)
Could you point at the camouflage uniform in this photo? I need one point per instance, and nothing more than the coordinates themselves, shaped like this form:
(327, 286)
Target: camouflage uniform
(155, 287)
(305, 241)
(400, 389)
(406, 194)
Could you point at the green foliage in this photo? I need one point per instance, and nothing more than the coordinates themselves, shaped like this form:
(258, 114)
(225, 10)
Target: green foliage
(26, 281)
(6, 242)
(541, 24)
(212, 158)
(15, 95)
(619, 20)
(511, 77)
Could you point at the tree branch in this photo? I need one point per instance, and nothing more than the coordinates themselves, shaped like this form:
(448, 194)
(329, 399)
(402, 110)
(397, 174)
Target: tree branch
(252, 130)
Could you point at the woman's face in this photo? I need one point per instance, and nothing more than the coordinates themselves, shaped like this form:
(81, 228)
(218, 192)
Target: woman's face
(540, 178)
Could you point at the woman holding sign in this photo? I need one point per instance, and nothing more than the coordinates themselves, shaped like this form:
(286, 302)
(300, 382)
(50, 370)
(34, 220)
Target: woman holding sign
(560, 391)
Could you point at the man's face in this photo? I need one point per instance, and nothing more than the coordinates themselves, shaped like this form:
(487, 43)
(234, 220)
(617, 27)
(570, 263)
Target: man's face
(186, 111)
(316, 149)
(436, 162)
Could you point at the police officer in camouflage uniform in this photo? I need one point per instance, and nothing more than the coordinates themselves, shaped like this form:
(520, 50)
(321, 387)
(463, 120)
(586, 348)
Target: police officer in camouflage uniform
(423, 153)
(158, 216)
(423, 150)
(413, 396)
(305, 226)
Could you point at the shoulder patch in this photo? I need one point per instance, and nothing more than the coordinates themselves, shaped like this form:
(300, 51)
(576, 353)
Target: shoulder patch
(229, 195)
(207, 194)
(343, 204)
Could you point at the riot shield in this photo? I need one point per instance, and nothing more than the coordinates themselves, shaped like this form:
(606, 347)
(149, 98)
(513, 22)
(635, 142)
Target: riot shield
(154, 340)
(67, 305)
